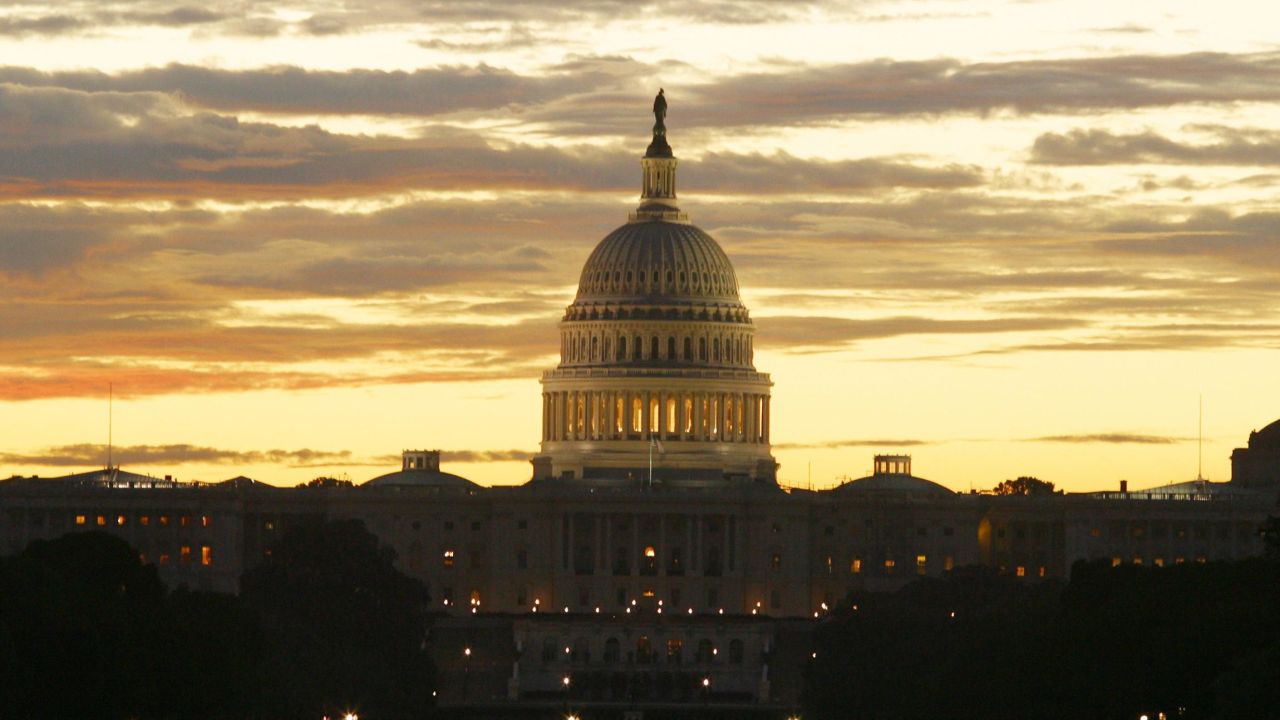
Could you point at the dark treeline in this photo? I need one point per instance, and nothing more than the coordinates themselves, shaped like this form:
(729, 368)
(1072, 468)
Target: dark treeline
(327, 624)
(1190, 641)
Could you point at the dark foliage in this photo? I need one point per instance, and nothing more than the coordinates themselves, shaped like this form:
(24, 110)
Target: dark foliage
(88, 631)
(1200, 640)
(347, 629)
(1026, 485)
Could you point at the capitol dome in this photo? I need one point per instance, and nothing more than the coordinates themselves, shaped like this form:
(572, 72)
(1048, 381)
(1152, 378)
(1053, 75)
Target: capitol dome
(656, 379)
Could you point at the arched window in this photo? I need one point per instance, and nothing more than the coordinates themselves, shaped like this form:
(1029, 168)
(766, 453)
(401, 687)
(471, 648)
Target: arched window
(594, 348)
(622, 348)
(635, 348)
(702, 349)
(735, 652)
(688, 348)
(653, 348)
(644, 650)
(704, 650)
(637, 415)
(715, 349)
(549, 649)
(671, 348)
(581, 651)
(604, 352)
(612, 650)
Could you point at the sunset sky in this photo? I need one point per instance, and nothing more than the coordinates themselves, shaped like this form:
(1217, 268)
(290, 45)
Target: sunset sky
(1007, 238)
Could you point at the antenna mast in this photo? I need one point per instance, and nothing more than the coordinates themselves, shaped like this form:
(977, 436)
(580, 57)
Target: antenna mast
(1200, 443)
(110, 403)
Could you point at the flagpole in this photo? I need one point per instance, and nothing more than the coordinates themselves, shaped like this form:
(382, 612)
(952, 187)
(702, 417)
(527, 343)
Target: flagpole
(651, 460)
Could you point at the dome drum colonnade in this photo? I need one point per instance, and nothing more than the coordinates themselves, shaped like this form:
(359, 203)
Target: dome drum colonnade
(656, 351)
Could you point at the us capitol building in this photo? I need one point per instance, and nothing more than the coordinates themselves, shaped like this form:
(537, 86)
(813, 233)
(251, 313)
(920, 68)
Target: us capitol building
(652, 561)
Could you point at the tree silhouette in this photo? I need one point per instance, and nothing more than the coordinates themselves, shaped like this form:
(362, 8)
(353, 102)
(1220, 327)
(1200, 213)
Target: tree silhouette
(1026, 485)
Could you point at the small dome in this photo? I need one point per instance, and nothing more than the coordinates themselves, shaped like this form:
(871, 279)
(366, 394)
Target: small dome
(422, 479)
(893, 483)
(650, 260)
(1268, 437)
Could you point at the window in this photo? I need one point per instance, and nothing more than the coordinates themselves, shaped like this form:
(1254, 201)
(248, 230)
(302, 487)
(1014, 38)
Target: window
(205, 521)
(206, 555)
(549, 649)
(144, 519)
(448, 558)
(644, 650)
(675, 651)
(82, 520)
(671, 348)
(185, 553)
(164, 558)
(775, 562)
(622, 348)
(705, 651)
(735, 652)
(102, 520)
(948, 563)
(1021, 571)
(855, 565)
(522, 525)
(522, 596)
(653, 348)
(184, 520)
(921, 564)
(612, 650)
(448, 525)
(122, 520)
(688, 348)
(889, 565)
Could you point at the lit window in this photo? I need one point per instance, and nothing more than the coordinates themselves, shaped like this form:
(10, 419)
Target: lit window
(164, 520)
(204, 521)
(102, 520)
(1115, 561)
(922, 563)
(1137, 561)
(648, 592)
(948, 563)
(1021, 571)
(82, 520)
(184, 520)
(185, 554)
(830, 562)
(1095, 532)
(855, 566)
(776, 561)
(144, 519)
(1041, 571)
(888, 565)
(206, 555)
(448, 558)
(268, 526)
(122, 520)
(164, 558)
(1158, 562)
(650, 552)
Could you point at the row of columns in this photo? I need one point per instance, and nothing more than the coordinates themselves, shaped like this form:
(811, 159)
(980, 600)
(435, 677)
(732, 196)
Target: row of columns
(590, 347)
(607, 538)
(639, 414)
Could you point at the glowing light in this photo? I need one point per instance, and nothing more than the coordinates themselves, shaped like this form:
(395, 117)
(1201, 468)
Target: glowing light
(706, 682)
(565, 681)
(466, 651)
(351, 716)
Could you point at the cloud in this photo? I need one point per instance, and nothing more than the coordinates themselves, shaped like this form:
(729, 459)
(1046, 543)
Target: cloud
(836, 444)
(71, 143)
(1117, 438)
(290, 89)
(809, 95)
(82, 454)
(796, 332)
(485, 456)
(1244, 147)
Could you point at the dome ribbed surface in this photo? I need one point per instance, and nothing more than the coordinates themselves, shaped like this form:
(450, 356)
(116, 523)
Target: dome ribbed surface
(658, 260)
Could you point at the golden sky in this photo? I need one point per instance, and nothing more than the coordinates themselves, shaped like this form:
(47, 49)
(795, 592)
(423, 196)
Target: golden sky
(1008, 238)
